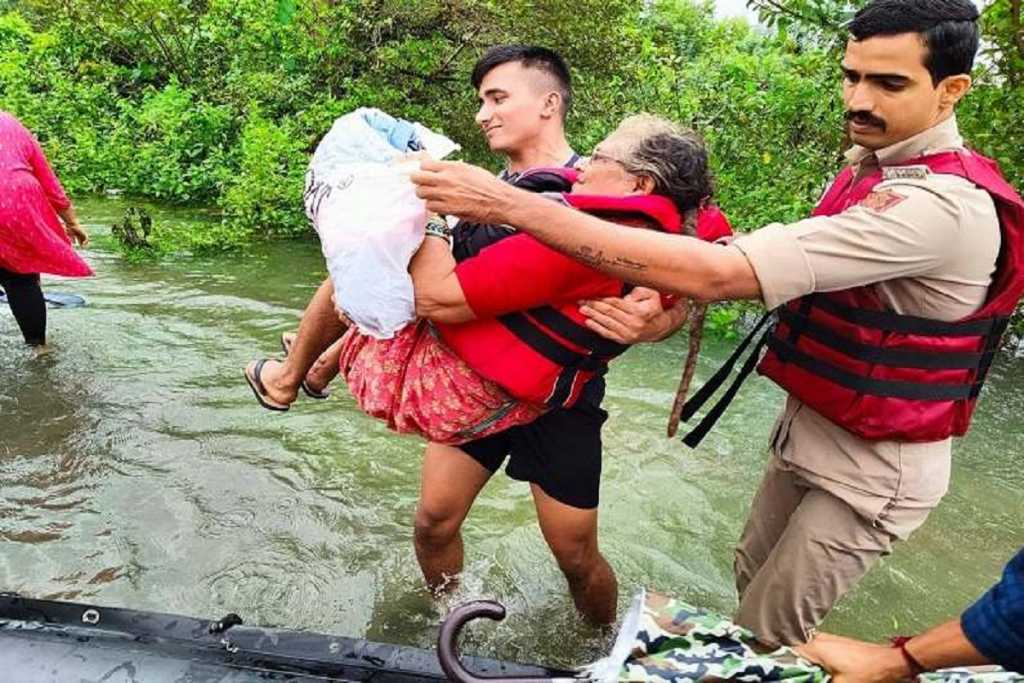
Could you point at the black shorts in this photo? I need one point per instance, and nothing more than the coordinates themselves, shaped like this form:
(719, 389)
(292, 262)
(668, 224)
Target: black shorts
(560, 452)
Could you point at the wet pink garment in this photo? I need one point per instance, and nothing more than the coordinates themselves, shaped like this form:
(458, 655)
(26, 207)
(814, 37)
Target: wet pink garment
(417, 385)
(32, 238)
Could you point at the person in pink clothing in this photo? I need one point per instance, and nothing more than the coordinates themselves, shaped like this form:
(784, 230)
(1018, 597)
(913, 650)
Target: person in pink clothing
(37, 226)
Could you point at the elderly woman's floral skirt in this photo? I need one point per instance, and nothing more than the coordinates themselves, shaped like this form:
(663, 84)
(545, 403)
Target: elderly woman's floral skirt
(417, 385)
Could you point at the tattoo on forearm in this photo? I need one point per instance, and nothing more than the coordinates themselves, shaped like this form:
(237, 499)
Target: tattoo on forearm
(596, 258)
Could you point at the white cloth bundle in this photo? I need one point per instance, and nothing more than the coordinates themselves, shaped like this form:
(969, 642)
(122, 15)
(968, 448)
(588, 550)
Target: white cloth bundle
(365, 210)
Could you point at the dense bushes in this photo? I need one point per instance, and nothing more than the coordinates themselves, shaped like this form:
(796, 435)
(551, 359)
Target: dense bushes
(217, 101)
(221, 101)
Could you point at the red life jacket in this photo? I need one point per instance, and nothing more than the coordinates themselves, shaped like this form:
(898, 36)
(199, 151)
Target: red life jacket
(882, 375)
(545, 355)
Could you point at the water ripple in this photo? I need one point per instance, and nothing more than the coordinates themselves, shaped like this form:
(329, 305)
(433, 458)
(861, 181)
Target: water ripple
(136, 470)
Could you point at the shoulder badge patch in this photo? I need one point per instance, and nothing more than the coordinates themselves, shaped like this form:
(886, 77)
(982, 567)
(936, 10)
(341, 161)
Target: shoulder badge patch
(881, 201)
(906, 173)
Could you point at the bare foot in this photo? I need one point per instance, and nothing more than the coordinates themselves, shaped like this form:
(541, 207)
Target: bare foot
(287, 339)
(265, 378)
(40, 350)
(324, 370)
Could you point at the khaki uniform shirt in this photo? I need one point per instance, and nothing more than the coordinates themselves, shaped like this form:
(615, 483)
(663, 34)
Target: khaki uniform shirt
(929, 243)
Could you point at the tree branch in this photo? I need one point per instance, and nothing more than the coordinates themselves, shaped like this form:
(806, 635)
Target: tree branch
(428, 78)
(468, 40)
(165, 51)
(781, 8)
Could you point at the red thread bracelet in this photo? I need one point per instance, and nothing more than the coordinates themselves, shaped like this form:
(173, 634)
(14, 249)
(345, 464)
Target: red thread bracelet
(900, 643)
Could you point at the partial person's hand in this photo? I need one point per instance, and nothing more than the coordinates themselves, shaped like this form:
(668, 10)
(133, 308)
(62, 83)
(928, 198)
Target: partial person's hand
(853, 661)
(637, 317)
(77, 234)
(458, 189)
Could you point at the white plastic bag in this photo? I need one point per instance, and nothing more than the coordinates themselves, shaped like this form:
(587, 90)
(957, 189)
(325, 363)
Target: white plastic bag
(368, 217)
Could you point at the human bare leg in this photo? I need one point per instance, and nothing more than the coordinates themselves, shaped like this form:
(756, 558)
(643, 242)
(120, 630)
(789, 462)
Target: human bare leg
(571, 533)
(450, 482)
(319, 328)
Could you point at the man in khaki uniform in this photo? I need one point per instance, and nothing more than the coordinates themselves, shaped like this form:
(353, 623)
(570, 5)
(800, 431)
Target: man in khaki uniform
(831, 503)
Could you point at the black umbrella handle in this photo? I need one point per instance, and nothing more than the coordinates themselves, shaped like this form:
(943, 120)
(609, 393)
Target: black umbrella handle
(448, 645)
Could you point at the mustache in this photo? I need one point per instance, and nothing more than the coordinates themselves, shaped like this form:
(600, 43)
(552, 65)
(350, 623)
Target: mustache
(865, 118)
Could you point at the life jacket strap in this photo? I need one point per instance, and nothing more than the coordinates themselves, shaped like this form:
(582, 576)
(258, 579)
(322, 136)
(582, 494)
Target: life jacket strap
(891, 321)
(898, 358)
(871, 386)
(992, 344)
(708, 389)
(526, 328)
(581, 336)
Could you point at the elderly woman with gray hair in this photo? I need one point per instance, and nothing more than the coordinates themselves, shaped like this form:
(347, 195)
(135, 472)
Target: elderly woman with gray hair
(501, 339)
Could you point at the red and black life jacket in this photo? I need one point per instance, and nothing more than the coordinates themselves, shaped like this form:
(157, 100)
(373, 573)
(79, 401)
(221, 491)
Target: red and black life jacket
(470, 238)
(879, 374)
(547, 354)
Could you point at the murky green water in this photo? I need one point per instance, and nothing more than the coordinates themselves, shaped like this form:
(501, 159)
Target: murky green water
(136, 470)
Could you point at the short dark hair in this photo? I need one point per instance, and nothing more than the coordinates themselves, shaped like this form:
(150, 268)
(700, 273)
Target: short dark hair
(531, 57)
(949, 29)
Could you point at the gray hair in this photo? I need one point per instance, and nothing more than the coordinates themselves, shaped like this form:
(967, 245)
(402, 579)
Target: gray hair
(675, 158)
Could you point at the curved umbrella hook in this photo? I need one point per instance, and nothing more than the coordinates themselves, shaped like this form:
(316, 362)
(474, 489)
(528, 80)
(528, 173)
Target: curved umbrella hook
(448, 645)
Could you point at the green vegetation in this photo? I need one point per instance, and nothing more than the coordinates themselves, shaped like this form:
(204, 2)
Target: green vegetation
(222, 101)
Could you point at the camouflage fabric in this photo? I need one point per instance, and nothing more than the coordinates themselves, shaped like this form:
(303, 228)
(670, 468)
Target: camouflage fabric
(665, 640)
(676, 643)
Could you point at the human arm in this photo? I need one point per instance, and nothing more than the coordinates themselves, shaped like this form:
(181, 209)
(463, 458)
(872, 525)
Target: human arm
(915, 232)
(54, 191)
(72, 226)
(438, 294)
(853, 661)
(995, 623)
(990, 631)
(642, 315)
(519, 273)
(36, 158)
(685, 266)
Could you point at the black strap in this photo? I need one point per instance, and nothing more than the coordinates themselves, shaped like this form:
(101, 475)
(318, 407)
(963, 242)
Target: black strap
(992, 329)
(697, 401)
(540, 341)
(563, 388)
(581, 336)
(886, 388)
(897, 358)
(991, 346)
(805, 311)
(531, 335)
(527, 331)
(697, 434)
(908, 324)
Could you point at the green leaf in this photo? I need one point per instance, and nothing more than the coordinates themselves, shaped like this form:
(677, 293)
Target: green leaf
(285, 11)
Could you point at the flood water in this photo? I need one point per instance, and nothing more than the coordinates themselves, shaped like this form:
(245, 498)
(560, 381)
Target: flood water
(136, 470)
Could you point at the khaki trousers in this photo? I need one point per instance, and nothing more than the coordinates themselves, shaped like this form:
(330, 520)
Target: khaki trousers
(802, 549)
